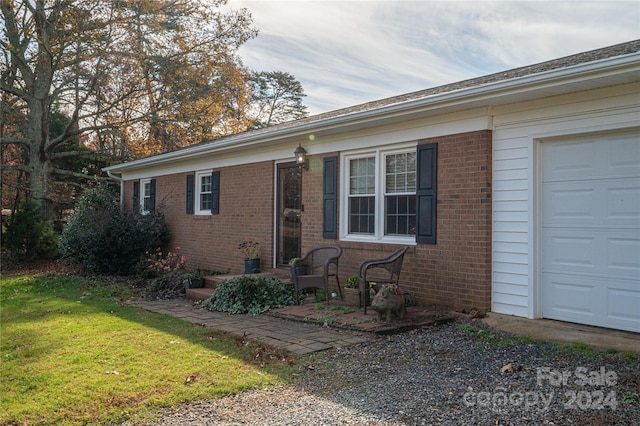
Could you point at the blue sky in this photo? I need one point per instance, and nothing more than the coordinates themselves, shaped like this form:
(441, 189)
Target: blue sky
(350, 52)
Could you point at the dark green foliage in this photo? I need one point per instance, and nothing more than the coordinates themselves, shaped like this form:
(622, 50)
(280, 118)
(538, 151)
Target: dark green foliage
(104, 239)
(28, 235)
(250, 295)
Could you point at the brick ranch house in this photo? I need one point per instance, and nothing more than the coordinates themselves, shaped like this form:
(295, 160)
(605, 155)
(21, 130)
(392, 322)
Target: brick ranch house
(517, 192)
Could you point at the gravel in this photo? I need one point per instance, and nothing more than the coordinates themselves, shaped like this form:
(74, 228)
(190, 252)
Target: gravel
(454, 374)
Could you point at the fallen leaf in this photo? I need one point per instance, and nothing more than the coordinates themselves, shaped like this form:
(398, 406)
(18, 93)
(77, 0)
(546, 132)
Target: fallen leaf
(508, 368)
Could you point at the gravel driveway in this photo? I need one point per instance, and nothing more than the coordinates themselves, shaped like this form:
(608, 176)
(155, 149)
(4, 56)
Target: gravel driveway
(454, 374)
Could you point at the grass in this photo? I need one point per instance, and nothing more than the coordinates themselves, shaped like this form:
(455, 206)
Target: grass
(73, 353)
(494, 340)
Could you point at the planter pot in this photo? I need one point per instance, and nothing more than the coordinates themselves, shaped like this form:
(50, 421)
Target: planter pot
(196, 283)
(252, 266)
(193, 283)
(301, 270)
(351, 296)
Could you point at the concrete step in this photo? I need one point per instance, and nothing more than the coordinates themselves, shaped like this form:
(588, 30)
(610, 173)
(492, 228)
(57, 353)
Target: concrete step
(196, 294)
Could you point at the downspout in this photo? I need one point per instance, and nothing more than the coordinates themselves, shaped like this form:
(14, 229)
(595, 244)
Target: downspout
(119, 179)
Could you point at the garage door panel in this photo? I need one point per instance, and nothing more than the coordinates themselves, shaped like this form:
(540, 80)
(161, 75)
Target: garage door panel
(605, 303)
(623, 256)
(623, 153)
(611, 156)
(622, 204)
(596, 253)
(569, 296)
(570, 204)
(565, 251)
(592, 203)
(624, 305)
(569, 160)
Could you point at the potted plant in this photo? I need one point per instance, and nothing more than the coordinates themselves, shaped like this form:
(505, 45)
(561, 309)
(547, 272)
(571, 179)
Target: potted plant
(193, 280)
(351, 291)
(251, 253)
(301, 269)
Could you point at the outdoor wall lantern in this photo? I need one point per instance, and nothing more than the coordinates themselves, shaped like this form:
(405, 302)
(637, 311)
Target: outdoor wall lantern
(301, 157)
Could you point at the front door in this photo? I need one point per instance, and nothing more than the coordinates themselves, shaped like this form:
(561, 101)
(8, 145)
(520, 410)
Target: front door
(288, 213)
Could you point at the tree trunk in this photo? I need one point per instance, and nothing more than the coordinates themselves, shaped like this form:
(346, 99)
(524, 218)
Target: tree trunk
(39, 165)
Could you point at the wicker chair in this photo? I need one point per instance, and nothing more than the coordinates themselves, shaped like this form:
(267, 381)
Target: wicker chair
(379, 271)
(321, 263)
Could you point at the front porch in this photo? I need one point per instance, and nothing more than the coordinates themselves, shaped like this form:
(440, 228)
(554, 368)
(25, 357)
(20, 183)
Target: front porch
(338, 314)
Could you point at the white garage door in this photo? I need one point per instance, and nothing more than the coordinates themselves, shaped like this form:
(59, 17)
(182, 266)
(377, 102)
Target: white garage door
(591, 231)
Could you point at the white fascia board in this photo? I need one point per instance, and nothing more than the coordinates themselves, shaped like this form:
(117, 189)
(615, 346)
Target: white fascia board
(488, 94)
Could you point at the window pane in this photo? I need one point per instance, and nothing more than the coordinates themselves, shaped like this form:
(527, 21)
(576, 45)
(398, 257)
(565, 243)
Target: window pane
(146, 201)
(205, 184)
(206, 198)
(362, 174)
(391, 228)
(400, 173)
(400, 215)
(361, 215)
(206, 201)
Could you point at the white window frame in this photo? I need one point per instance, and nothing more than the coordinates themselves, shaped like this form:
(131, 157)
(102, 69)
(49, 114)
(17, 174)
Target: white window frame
(378, 236)
(198, 191)
(144, 194)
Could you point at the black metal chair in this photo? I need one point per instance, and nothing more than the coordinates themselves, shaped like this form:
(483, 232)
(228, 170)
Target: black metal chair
(321, 263)
(378, 272)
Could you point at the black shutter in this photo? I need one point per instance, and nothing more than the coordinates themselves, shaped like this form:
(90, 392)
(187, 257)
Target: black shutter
(330, 198)
(215, 192)
(426, 193)
(152, 196)
(136, 193)
(189, 192)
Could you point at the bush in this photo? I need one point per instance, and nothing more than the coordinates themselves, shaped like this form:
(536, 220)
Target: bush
(104, 239)
(250, 295)
(28, 235)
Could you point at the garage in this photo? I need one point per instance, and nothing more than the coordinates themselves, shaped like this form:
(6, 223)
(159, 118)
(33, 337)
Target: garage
(590, 230)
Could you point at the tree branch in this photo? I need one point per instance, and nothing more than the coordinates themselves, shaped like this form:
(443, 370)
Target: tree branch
(15, 168)
(15, 141)
(63, 172)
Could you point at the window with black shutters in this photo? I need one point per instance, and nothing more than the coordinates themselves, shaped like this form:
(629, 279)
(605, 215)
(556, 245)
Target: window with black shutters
(379, 195)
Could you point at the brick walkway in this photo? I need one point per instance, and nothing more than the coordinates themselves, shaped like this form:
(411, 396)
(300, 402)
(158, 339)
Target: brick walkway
(293, 336)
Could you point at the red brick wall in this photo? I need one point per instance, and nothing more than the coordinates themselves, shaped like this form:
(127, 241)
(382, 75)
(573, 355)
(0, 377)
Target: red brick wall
(455, 272)
(211, 242)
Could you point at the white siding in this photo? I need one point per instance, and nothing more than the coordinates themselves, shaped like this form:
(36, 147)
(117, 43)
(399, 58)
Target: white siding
(518, 129)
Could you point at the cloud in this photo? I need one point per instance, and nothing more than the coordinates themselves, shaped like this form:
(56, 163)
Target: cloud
(349, 52)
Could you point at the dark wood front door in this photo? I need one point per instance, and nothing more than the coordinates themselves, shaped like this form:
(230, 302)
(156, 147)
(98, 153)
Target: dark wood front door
(288, 213)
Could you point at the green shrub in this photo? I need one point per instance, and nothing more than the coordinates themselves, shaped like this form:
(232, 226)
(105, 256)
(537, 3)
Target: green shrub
(250, 295)
(28, 235)
(104, 239)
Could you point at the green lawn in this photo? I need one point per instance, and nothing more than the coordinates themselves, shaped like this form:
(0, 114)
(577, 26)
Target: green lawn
(73, 353)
